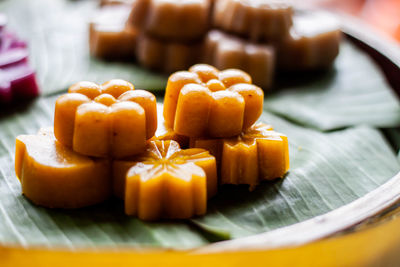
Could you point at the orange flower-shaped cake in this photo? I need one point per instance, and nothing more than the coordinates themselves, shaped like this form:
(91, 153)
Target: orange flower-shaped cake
(182, 20)
(165, 133)
(313, 42)
(54, 176)
(109, 37)
(225, 51)
(258, 20)
(206, 102)
(257, 154)
(105, 120)
(165, 55)
(166, 182)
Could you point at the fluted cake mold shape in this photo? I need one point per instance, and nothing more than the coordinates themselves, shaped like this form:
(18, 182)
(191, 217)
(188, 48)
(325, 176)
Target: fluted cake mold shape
(108, 120)
(165, 55)
(165, 133)
(207, 102)
(256, 20)
(257, 154)
(109, 36)
(184, 20)
(313, 42)
(166, 181)
(225, 51)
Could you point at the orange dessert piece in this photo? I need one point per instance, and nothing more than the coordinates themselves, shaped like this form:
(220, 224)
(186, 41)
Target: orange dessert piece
(259, 153)
(257, 20)
(228, 51)
(109, 37)
(54, 176)
(206, 102)
(166, 56)
(313, 42)
(111, 119)
(166, 182)
(165, 133)
(182, 20)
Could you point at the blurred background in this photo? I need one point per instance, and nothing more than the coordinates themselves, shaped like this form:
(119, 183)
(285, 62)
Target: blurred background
(383, 15)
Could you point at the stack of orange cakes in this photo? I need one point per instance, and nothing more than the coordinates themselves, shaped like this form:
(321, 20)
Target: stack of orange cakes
(258, 36)
(105, 142)
(218, 110)
(170, 32)
(102, 143)
(110, 37)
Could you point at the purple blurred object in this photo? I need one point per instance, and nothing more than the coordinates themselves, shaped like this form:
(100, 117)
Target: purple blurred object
(9, 41)
(5, 88)
(13, 57)
(17, 78)
(23, 81)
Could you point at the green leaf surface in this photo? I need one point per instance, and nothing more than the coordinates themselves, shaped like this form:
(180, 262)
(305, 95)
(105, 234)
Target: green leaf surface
(57, 34)
(353, 92)
(328, 170)
(21, 222)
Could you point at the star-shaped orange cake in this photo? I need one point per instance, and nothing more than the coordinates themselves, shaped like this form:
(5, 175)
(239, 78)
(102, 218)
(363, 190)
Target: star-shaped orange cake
(166, 181)
(259, 153)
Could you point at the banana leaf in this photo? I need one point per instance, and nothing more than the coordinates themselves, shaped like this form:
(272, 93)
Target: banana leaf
(328, 170)
(353, 92)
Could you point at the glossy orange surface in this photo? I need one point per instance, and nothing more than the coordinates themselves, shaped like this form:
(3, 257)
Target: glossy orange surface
(166, 182)
(207, 102)
(105, 120)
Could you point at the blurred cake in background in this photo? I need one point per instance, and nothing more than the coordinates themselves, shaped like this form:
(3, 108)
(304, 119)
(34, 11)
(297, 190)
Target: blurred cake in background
(260, 37)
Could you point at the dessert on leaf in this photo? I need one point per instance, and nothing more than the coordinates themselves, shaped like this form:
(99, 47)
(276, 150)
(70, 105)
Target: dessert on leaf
(165, 55)
(313, 41)
(109, 36)
(111, 119)
(207, 102)
(257, 154)
(260, 37)
(258, 20)
(54, 176)
(225, 51)
(165, 133)
(183, 20)
(108, 139)
(167, 182)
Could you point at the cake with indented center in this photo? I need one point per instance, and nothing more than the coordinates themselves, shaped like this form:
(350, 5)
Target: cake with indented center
(112, 119)
(207, 102)
(166, 182)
